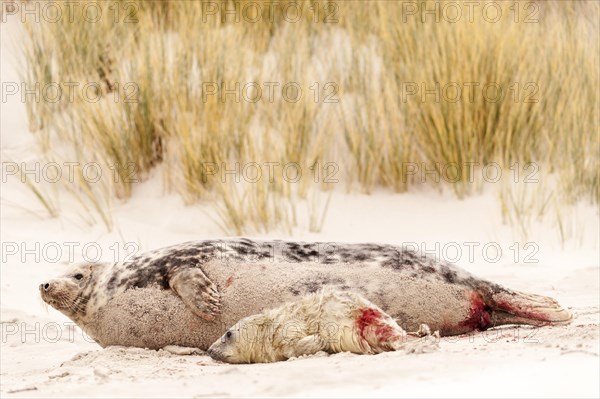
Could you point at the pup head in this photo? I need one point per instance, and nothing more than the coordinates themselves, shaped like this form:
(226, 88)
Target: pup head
(245, 342)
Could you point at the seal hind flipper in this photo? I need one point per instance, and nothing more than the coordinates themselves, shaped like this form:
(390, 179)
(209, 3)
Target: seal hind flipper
(197, 291)
(514, 307)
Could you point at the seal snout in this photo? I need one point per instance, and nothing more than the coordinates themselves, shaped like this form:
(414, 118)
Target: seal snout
(215, 353)
(221, 351)
(46, 291)
(211, 352)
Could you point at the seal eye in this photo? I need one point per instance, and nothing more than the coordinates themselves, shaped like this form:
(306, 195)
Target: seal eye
(228, 335)
(78, 276)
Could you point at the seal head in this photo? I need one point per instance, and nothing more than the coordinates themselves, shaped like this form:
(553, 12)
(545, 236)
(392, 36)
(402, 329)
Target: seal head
(71, 293)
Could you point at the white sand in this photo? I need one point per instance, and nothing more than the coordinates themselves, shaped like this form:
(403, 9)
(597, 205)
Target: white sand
(39, 358)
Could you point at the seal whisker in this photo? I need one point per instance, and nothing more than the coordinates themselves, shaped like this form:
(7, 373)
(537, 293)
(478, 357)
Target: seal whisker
(44, 304)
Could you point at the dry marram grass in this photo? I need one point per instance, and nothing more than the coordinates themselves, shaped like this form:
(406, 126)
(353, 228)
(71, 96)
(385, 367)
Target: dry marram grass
(368, 63)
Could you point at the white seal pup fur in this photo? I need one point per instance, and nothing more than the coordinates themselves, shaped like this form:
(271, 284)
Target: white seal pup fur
(330, 321)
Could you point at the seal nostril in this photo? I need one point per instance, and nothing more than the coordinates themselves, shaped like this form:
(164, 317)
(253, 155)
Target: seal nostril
(46, 286)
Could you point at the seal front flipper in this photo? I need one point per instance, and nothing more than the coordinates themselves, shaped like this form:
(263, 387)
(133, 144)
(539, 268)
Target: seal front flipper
(197, 292)
(308, 346)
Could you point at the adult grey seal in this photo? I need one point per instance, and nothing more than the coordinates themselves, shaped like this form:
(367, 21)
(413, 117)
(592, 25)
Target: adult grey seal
(190, 294)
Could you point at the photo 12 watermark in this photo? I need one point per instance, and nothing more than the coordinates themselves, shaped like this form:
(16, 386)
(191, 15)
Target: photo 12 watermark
(70, 92)
(527, 12)
(269, 171)
(252, 12)
(471, 172)
(92, 12)
(69, 172)
(269, 92)
(67, 252)
(469, 92)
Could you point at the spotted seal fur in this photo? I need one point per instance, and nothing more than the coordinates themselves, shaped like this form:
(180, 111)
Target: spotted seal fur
(190, 294)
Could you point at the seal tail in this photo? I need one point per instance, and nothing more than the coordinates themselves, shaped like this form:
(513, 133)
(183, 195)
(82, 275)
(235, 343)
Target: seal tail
(514, 307)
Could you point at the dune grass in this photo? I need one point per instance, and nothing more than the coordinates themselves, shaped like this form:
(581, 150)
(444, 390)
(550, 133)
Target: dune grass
(383, 93)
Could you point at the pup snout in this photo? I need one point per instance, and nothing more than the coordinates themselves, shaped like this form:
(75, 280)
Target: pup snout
(44, 286)
(214, 352)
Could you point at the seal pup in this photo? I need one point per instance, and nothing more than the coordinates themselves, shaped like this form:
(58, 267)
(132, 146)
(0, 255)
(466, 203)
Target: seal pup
(190, 294)
(330, 321)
